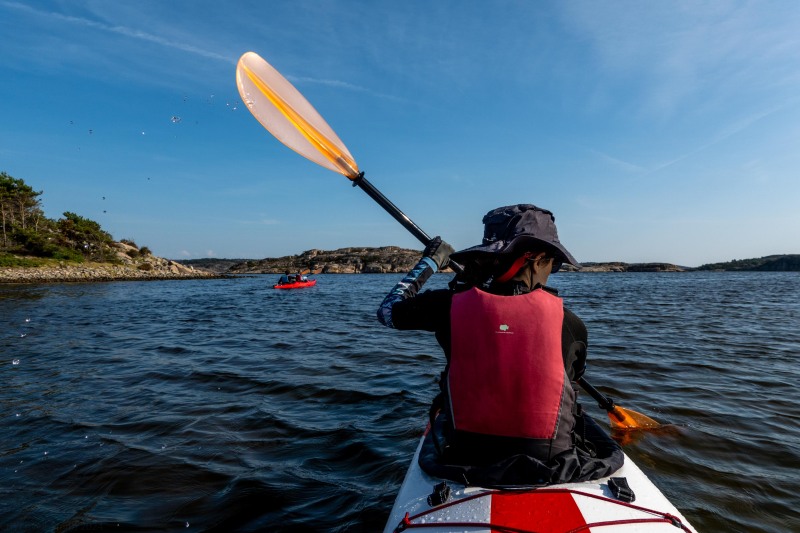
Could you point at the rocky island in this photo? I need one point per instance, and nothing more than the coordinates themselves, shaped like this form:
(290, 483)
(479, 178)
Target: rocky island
(37, 249)
(128, 263)
(396, 260)
(131, 263)
(382, 260)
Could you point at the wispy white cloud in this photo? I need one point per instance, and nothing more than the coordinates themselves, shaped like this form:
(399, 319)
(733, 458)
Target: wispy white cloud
(678, 57)
(734, 128)
(257, 222)
(136, 34)
(619, 163)
(743, 123)
(329, 83)
(338, 84)
(119, 30)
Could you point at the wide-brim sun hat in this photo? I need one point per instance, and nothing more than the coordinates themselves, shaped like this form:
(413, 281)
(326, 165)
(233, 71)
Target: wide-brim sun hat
(517, 228)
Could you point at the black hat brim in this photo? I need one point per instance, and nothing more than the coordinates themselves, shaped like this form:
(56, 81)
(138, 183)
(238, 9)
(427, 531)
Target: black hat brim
(508, 247)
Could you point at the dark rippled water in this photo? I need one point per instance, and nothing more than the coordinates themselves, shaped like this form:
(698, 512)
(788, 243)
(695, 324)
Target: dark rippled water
(224, 405)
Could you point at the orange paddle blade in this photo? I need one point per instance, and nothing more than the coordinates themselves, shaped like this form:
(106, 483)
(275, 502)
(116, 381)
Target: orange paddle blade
(281, 109)
(626, 419)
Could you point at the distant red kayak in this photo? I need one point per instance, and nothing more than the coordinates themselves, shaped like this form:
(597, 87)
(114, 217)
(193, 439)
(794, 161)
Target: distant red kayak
(296, 284)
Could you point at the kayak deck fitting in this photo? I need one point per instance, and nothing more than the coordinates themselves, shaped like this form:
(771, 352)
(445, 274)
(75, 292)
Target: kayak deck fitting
(565, 508)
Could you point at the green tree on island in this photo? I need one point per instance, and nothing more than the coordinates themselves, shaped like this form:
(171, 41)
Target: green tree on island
(27, 231)
(20, 207)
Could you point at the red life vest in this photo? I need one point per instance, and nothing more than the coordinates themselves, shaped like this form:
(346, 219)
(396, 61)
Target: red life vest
(506, 375)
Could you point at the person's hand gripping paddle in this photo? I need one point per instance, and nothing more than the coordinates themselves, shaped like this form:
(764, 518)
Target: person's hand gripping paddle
(285, 113)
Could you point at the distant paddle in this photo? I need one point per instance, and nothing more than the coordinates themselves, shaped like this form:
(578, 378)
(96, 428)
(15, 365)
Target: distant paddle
(285, 113)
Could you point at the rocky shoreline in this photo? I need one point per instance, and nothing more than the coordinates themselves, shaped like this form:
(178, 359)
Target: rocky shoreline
(99, 272)
(130, 265)
(94, 272)
(631, 267)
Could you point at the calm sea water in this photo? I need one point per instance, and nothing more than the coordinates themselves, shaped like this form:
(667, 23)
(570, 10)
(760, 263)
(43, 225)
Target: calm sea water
(224, 405)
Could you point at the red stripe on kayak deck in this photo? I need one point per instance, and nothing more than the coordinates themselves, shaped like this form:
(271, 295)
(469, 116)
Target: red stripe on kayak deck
(543, 512)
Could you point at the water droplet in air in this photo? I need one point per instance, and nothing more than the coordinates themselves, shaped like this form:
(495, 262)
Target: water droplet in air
(250, 104)
(27, 320)
(175, 119)
(15, 362)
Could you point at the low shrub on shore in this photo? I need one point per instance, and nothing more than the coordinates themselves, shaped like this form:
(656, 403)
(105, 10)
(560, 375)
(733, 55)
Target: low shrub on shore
(9, 260)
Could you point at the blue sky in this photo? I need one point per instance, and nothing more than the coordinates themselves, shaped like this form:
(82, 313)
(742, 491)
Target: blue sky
(655, 131)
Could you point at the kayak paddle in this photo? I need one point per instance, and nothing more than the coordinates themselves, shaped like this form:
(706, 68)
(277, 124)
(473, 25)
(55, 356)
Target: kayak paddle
(285, 113)
(620, 418)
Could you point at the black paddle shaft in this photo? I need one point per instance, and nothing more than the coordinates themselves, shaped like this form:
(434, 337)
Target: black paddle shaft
(392, 209)
(398, 215)
(603, 401)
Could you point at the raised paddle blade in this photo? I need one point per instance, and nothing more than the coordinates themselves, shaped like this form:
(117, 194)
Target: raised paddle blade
(286, 113)
(626, 419)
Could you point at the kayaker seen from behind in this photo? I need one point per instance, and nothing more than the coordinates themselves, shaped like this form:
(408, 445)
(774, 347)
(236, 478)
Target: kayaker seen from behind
(507, 413)
(294, 281)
